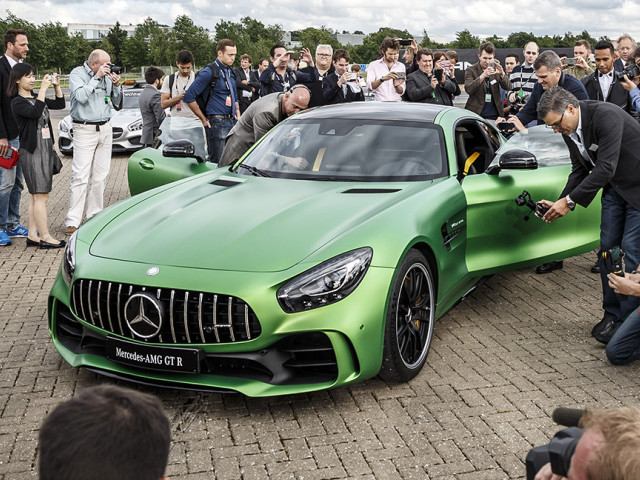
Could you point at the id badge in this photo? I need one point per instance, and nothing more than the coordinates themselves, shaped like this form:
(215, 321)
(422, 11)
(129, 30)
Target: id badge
(179, 106)
(487, 98)
(228, 102)
(107, 99)
(521, 93)
(46, 134)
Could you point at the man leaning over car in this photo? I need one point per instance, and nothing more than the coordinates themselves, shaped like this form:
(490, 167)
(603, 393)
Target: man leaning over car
(600, 159)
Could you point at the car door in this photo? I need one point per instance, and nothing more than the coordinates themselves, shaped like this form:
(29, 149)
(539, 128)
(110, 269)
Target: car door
(502, 235)
(149, 168)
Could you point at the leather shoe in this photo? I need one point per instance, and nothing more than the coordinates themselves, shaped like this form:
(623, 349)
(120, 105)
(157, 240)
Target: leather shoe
(604, 336)
(32, 243)
(44, 244)
(70, 230)
(549, 267)
(595, 268)
(597, 328)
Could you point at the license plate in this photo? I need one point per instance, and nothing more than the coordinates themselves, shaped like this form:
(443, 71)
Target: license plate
(152, 357)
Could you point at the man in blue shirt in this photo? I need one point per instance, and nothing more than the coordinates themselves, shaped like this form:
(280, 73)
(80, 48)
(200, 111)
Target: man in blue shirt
(222, 108)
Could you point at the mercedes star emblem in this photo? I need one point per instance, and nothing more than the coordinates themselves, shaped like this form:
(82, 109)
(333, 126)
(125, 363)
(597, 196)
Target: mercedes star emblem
(144, 313)
(153, 271)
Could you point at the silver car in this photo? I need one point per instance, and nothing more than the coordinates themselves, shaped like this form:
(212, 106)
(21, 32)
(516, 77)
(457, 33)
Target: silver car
(126, 124)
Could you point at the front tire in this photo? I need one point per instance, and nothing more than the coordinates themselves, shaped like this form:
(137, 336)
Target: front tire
(410, 319)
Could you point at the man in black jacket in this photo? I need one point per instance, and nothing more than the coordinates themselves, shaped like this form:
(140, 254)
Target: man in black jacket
(341, 86)
(601, 160)
(246, 85)
(17, 46)
(318, 72)
(602, 84)
(423, 86)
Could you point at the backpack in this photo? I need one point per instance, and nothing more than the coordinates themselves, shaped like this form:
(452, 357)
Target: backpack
(201, 99)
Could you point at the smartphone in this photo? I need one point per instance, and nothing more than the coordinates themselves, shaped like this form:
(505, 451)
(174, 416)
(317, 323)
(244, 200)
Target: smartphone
(569, 61)
(491, 64)
(505, 126)
(438, 74)
(401, 74)
(353, 77)
(405, 43)
(294, 55)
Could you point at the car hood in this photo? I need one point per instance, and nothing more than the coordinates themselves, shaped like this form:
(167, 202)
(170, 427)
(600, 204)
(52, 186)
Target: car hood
(254, 224)
(125, 117)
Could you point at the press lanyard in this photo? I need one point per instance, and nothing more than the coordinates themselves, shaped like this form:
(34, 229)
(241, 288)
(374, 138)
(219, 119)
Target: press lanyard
(224, 76)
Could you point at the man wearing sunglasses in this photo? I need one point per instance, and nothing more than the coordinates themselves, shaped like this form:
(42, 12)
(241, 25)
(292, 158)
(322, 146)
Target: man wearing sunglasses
(604, 145)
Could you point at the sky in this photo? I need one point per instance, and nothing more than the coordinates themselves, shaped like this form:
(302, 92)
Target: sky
(440, 19)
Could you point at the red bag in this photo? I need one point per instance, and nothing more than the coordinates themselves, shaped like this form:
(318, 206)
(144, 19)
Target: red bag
(9, 159)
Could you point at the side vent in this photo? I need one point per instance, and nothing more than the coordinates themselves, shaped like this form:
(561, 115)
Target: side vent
(221, 182)
(372, 190)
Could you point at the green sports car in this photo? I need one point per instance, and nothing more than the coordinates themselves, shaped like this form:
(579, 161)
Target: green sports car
(322, 258)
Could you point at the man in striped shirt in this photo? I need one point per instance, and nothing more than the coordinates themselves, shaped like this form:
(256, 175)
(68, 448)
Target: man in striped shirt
(523, 77)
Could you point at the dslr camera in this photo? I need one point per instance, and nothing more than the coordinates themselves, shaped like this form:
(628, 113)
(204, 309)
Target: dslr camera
(520, 102)
(113, 68)
(631, 71)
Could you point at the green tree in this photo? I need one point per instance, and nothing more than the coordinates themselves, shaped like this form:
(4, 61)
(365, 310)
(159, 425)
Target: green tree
(251, 36)
(186, 35)
(149, 45)
(464, 39)
(117, 38)
(312, 37)
(57, 51)
(520, 39)
(585, 36)
(370, 48)
(498, 42)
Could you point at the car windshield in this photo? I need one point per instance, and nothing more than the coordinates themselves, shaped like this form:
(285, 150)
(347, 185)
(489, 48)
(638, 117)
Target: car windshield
(548, 147)
(349, 150)
(130, 100)
(179, 128)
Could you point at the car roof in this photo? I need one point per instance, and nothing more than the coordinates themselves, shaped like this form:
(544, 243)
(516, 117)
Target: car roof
(400, 111)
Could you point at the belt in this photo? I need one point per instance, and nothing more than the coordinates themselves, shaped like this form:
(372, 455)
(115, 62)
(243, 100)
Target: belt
(90, 123)
(220, 116)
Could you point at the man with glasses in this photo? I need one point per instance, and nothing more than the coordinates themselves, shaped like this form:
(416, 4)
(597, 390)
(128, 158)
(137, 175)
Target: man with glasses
(322, 69)
(604, 145)
(631, 84)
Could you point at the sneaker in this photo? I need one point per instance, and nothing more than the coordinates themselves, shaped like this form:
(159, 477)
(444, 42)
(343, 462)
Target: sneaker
(4, 238)
(19, 231)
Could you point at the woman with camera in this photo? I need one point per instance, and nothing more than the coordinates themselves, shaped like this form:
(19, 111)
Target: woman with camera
(39, 161)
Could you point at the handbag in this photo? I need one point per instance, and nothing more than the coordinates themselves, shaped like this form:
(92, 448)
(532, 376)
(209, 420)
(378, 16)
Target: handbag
(57, 163)
(10, 159)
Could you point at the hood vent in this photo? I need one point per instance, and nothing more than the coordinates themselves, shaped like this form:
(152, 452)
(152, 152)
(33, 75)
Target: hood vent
(372, 190)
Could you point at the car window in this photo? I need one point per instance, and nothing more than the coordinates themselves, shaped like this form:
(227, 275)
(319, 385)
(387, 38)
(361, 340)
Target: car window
(548, 147)
(351, 149)
(130, 100)
(179, 128)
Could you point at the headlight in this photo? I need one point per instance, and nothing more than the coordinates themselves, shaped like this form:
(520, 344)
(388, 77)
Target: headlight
(327, 283)
(64, 126)
(69, 259)
(137, 125)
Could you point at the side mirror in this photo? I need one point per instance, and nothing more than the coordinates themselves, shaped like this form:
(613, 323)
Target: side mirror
(182, 149)
(518, 160)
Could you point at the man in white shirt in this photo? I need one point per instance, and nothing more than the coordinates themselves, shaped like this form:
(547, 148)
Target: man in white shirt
(174, 86)
(386, 77)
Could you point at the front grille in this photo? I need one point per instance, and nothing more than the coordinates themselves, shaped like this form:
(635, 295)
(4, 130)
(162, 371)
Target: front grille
(116, 132)
(189, 317)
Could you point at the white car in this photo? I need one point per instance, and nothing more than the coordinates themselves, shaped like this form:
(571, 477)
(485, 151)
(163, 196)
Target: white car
(126, 124)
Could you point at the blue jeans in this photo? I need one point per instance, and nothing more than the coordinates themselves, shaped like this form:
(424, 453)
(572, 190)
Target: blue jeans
(216, 135)
(619, 226)
(10, 190)
(624, 347)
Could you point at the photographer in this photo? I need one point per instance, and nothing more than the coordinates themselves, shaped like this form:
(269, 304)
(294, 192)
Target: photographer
(624, 346)
(482, 82)
(631, 84)
(95, 88)
(427, 85)
(606, 447)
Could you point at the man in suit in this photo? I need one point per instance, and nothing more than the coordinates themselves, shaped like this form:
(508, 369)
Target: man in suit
(604, 145)
(150, 105)
(11, 186)
(482, 81)
(626, 46)
(424, 87)
(602, 84)
(318, 72)
(255, 77)
(245, 84)
(341, 86)
(260, 117)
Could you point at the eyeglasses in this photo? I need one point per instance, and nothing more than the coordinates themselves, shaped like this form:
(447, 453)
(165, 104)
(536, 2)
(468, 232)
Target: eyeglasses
(323, 54)
(556, 125)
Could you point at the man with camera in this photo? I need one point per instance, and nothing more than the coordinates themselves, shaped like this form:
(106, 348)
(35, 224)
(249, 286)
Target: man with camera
(605, 446)
(277, 77)
(95, 88)
(322, 69)
(427, 85)
(631, 79)
(523, 78)
(386, 76)
(579, 66)
(482, 81)
(626, 47)
(341, 86)
(594, 132)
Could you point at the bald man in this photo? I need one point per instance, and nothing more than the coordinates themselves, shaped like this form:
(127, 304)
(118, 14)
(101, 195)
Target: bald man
(261, 116)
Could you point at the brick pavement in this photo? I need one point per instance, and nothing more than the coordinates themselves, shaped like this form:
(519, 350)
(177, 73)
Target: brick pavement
(500, 362)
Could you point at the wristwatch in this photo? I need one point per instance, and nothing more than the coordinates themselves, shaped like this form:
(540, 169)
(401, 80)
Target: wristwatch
(570, 203)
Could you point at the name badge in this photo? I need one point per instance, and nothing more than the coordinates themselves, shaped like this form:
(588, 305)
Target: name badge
(228, 101)
(493, 82)
(46, 134)
(593, 147)
(179, 106)
(487, 98)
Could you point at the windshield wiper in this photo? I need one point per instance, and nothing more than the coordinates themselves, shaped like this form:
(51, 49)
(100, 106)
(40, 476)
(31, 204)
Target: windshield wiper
(256, 171)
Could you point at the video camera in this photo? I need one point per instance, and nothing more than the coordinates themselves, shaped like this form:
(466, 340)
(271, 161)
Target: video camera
(521, 101)
(114, 68)
(631, 71)
(524, 200)
(561, 448)
(612, 262)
